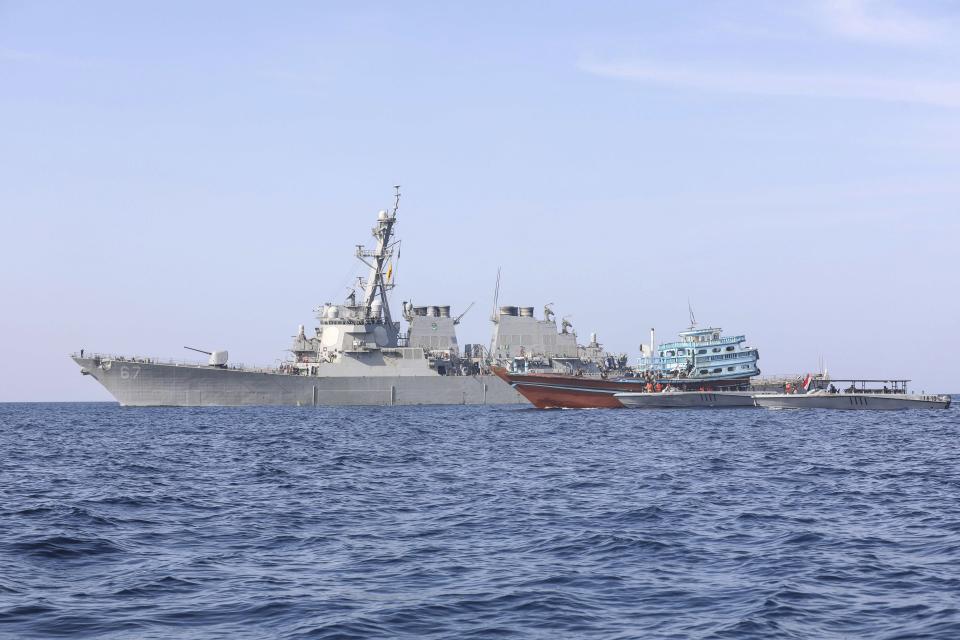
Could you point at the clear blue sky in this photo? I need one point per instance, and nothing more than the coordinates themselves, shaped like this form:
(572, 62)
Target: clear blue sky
(198, 173)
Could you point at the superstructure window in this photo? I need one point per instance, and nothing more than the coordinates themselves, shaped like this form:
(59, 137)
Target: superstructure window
(729, 368)
(704, 371)
(701, 351)
(716, 349)
(730, 348)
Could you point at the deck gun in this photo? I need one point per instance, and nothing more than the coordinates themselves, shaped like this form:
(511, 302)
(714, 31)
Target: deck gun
(217, 358)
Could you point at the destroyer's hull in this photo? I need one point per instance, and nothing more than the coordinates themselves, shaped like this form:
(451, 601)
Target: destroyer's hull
(686, 400)
(852, 401)
(144, 384)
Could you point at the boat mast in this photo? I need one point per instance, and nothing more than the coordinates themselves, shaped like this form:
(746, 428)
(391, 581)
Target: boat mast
(376, 285)
(495, 316)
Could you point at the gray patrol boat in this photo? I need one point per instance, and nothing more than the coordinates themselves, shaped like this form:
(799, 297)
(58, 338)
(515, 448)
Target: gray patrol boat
(357, 355)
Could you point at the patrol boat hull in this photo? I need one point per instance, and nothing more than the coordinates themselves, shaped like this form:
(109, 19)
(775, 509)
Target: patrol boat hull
(139, 383)
(852, 401)
(686, 400)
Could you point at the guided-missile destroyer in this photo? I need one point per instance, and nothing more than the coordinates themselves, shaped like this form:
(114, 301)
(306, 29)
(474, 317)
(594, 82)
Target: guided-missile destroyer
(358, 355)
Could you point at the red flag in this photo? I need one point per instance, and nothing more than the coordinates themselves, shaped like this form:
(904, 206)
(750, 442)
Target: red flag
(806, 382)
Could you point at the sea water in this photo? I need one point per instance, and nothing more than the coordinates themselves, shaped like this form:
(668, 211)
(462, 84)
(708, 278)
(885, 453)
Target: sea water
(476, 522)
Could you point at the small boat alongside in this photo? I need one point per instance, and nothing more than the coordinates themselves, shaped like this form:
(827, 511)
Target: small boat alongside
(702, 369)
(563, 391)
(670, 399)
(702, 359)
(891, 397)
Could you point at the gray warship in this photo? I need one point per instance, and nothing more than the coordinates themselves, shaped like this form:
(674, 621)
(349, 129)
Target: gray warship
(358, 355)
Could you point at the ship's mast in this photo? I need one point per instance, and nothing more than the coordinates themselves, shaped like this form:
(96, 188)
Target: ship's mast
(376, 284)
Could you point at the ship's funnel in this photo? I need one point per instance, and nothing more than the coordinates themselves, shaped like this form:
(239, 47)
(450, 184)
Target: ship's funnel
(432, 311)
(526, 312)
(444, 311)
(508, 311)
(419, 311)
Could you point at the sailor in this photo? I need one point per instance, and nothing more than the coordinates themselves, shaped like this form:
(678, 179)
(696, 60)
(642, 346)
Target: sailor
(833, 389)
(81, 353)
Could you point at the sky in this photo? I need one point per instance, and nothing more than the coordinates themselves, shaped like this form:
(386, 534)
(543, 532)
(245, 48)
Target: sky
(199, 174)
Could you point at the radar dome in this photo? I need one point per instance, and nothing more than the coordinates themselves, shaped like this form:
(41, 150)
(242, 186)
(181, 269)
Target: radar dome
(333, 313)
(382, 215)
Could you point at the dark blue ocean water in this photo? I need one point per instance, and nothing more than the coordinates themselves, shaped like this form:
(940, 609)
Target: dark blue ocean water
(470, 522)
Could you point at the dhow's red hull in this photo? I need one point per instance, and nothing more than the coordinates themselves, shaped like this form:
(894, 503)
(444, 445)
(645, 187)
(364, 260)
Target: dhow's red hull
(558, 391)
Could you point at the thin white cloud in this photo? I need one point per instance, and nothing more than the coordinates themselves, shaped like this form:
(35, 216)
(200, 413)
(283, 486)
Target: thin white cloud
(14, 56)
(880, 22)
(861, 87)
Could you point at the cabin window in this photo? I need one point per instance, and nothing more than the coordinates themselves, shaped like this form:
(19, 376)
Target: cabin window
(704, 371)
(670, 353)
(716, 349)
(729, 368)
(717, 370)
(730, 348)
(701, 351)
(680, 352)
(746, 366)
(716, 336)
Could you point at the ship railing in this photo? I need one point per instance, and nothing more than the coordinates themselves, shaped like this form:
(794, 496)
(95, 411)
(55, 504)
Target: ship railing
(745, 356)
(177, 362)
(774, 378)
(702, 343)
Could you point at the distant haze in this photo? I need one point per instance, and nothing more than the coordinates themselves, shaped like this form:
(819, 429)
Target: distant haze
(199, 173)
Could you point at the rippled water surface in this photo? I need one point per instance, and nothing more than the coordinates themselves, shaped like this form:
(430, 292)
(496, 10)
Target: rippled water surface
(477, 522)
